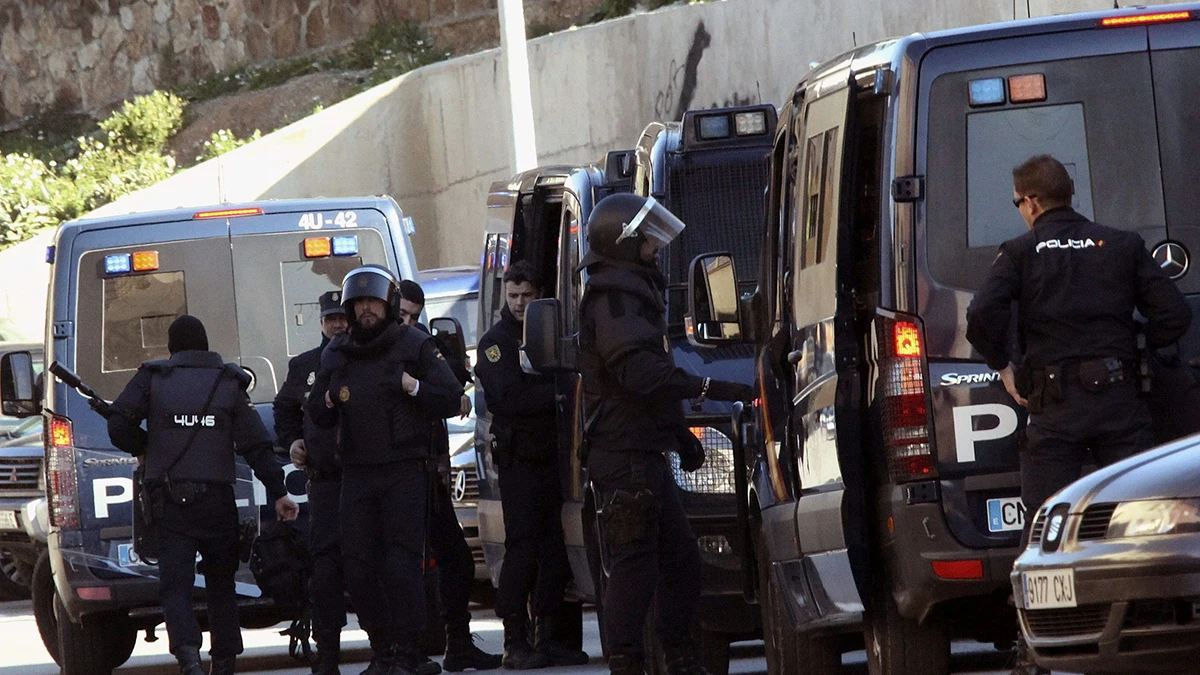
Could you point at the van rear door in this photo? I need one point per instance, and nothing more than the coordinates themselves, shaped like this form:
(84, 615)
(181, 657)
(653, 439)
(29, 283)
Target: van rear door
(1086, 97)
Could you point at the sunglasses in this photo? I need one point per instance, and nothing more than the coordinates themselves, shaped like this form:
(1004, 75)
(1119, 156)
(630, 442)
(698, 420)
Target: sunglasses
(1017, 200)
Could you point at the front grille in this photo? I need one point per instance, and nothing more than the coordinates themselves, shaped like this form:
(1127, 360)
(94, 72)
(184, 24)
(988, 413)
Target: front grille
(1035, 531)
(469, 485)
(19, 474)
(1068, 621)
(1094, 524)
(715, 476)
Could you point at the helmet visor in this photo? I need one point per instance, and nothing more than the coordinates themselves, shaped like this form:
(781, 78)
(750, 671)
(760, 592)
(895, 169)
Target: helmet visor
(366, 282)
(654, 222)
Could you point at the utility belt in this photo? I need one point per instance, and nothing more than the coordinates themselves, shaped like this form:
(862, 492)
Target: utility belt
(1041, 385)
(324, 476)
(505, 450)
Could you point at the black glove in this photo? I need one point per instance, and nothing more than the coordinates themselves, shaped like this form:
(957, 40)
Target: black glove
(719, 390)
(691, 450)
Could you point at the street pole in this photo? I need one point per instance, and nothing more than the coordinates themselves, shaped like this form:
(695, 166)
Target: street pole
(516, 57)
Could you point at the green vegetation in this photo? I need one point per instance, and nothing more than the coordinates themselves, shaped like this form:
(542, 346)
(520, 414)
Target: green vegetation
(126, 153)
(222, 142)
(385, 52)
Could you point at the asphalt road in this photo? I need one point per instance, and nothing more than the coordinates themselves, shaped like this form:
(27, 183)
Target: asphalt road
(22, 653)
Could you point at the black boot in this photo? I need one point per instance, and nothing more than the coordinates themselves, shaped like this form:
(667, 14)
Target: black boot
(627, 664)
(409, 660)
(189, 660)
(329, 647)
(518, 653)
(383, 658)
(682, 660)
(558, 653)
(222, 665)
(461, 652)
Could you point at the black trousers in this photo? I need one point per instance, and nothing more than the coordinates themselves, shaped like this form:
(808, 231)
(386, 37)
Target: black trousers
(535, 554)
(1084, 427)
(383, 542)
(456, 566)
(327, 588)
(207, 526)
(650, 552)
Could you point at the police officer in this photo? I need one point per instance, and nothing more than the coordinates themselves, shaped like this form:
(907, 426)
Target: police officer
(524, 425)
(632, 399)
(383, 385)
(197, 416)
(1076, 285)
(456, 565)
(314, 449)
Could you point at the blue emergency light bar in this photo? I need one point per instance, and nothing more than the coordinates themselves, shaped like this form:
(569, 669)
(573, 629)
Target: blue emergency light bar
(987, 92)
(347, 245)
(119, 263)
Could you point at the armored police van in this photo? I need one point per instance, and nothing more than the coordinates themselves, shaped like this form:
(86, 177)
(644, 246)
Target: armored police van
(882, 483)
(710, 169)
(252, 273)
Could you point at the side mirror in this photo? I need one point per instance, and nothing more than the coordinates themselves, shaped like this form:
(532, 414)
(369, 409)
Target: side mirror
(713, 317)
(448, 335)
(18, 391)
(544, 347)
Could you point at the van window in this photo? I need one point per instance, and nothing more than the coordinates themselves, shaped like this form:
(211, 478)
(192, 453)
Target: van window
(465, 308)
(999, 140)
(1108, 141)
(303, 283)
(138, 310)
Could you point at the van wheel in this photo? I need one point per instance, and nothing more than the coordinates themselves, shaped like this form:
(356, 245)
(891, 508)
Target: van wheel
(896, 645)
(433, 639)
(788, 651)
(95, 646)
(43, 605)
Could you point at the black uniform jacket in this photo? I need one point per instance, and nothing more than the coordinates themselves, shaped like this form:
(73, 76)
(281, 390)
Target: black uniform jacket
(292, 423)
(518, 401)
(1077, 285)
(630, 381)
(378, 422)
(170, 396)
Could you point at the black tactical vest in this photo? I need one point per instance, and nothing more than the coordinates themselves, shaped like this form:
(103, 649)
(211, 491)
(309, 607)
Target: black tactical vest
(179, 389)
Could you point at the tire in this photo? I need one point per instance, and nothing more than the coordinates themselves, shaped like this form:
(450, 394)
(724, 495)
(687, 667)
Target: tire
(896, 645)
(82, 649)
(788, 651)
(15, 577)
(433, 638)
(43, 605)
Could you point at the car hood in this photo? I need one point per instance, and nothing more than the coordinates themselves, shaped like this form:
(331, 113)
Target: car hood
(1164, 472)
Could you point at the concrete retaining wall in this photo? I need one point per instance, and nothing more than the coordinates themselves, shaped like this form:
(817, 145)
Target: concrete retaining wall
(436, 138)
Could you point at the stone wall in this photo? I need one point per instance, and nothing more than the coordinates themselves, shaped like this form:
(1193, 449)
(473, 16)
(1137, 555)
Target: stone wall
(68, 56)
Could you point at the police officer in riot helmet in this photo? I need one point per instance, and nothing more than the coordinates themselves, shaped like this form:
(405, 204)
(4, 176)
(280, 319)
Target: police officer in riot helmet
(383, 384)
(198, 416)
(632, 399)
(1075, 285)
(525, 432)
(455, 564)
(314, 449)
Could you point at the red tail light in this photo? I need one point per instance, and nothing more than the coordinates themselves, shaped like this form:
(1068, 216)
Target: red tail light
(62, 488)
(905, 407)
(958, 569)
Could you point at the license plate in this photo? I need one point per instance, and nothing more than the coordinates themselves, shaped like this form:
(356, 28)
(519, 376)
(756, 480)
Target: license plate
(8, 520)
(1005, 515)
(1049, 589)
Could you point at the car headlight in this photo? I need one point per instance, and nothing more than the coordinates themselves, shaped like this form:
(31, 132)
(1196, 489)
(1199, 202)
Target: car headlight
(1154, 516)
(716, 476)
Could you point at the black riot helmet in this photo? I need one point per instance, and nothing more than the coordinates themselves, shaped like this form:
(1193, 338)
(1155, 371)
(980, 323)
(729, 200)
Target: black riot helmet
(370, 281)
(620, 223)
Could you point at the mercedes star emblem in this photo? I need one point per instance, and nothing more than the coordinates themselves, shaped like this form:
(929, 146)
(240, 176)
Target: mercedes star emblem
(460, 486)
(1173, 258)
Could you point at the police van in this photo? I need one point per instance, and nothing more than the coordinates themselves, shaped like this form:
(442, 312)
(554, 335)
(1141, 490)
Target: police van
(709, 169)
(883, 485)
(252, 273)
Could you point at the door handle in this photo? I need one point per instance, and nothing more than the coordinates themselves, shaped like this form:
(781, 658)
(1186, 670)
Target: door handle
(794, 357)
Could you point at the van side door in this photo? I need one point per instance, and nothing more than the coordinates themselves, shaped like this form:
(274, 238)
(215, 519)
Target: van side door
(813, 355)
